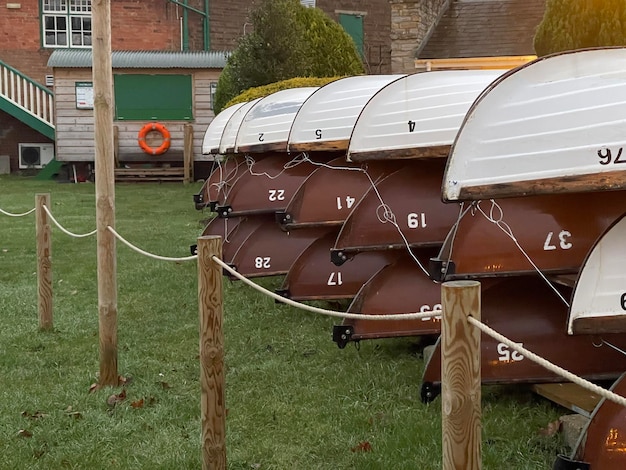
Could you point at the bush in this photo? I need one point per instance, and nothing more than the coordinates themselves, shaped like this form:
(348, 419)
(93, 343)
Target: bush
(288, 40)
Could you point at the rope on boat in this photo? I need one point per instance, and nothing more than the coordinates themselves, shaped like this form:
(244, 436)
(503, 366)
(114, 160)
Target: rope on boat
(331, 313)
(10, 214)
(383, 211)
(502, 225)
(614, 397)
(64, 230)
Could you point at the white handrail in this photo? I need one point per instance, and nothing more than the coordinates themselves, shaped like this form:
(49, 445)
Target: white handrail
(26, 94)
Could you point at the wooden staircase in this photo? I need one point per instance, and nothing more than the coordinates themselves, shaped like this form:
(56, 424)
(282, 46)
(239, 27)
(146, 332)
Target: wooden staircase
(26, 100)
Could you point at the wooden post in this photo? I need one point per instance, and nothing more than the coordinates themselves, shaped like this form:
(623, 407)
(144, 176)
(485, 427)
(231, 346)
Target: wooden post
(44, 265)
(212, 406)
(188, 154)
(460, 376)
(105, 190)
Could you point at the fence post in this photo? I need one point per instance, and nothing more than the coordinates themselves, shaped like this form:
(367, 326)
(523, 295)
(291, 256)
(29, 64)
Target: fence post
(44, 266)
(212, 401)
(460, 376)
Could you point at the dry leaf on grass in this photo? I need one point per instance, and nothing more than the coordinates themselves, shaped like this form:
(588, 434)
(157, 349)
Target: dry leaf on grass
(551, 429)
(24, 433)
(116, 398)
(364, 446)
(35, 415)
(137, 403)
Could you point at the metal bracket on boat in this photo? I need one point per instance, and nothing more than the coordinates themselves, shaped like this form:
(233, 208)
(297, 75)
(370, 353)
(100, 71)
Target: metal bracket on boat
(283, 293)
(338, 257)
(193, 249)
(213, 205)
(283, 217)
(439, 268)
(342, 335)
(565, 463)
(198, 199)
(429, 392)
(223, 211)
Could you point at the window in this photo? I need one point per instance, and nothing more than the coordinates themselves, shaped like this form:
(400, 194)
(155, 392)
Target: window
(142, 97)
(66, 23)
(308, 3)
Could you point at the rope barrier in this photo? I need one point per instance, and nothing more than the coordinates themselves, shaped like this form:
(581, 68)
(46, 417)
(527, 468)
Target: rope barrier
(330, 313)
(145, 253)
(614, 397)
(10, 214)
(65, 231)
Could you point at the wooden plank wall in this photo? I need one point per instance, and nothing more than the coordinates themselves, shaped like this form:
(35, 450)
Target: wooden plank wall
(74, 127)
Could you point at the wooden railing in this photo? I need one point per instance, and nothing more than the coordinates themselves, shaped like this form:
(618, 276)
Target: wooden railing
(26, 94)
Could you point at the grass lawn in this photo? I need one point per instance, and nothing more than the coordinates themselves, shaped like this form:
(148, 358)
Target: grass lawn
(294, 400)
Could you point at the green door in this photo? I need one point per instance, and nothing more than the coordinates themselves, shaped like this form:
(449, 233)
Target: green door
(353, 24)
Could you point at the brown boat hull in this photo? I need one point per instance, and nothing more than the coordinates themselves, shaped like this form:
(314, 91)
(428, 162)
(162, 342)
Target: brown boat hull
(314, 277)
(413, 195)
(603, 442)
(219, 182)
(328, 195)
(555, 231)
(267, 186)
(387, 292)
(527, 311)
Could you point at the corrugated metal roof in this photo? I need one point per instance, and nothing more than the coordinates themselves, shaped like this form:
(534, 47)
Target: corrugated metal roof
(73, 58)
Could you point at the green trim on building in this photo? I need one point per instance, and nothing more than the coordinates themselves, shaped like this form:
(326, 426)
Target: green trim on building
(27, 118)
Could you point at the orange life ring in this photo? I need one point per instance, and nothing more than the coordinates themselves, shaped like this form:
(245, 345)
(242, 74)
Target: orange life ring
(154, 126)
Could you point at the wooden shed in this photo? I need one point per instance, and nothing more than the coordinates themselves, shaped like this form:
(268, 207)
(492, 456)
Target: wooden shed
(169, 88)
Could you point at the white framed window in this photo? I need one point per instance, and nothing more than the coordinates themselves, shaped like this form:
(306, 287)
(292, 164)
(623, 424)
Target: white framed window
(66, 23)
(308, 3)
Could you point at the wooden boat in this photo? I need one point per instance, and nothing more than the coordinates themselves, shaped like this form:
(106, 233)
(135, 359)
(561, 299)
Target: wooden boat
(217, 186)
(231, 129)
(325, 120)
(312, 276)
(555, 232)
(265, 127)
(256, 246)
(412, 195)
(602, 444)
(387, 292)
(267, 186)
(536, 321)
(553, 125)
(330, 193)
(599, 301)
(416, 116)
(213, 134)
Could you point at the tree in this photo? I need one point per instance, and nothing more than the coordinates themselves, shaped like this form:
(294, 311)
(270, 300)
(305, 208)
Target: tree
(288, 40)
(579, 24)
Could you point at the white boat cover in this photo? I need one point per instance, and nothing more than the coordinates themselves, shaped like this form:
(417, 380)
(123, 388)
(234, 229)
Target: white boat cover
(600, 290)
(326, 118)
(417, 111)
(266, 126)
(554, 125)
(229, 135)
(213, 134)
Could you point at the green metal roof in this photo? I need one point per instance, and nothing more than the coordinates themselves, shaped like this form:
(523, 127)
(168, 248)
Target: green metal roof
(75, 58)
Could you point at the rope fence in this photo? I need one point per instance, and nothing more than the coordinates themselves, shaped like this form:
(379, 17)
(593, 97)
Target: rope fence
(10, 214)
(460, 340)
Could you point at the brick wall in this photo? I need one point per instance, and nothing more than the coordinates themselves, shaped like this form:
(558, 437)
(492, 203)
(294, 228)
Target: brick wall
(12, 132)
(376, 29)
(411, 22)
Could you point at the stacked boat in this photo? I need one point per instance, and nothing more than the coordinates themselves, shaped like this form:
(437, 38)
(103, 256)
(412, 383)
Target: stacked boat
(375, 189)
